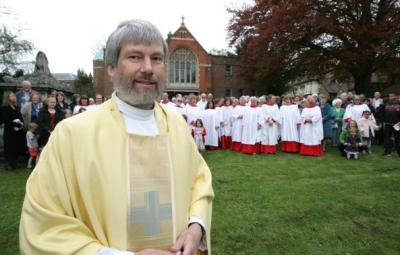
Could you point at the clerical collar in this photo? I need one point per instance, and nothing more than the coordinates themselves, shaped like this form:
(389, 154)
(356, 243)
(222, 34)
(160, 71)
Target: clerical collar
(134, 112)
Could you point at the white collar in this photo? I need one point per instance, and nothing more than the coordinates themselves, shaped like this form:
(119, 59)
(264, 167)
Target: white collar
(134, 112)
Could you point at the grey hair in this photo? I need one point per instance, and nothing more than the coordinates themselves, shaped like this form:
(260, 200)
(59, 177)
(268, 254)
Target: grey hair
(335, 101)
(262, 99)
(135, 31)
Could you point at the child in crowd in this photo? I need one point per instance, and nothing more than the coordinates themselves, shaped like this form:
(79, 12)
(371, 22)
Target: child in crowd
(33, 146)
(198, 133)
(352, 141)
(367, 128)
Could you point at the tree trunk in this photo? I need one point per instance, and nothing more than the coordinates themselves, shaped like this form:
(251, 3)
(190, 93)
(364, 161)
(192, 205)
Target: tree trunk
(362, 82)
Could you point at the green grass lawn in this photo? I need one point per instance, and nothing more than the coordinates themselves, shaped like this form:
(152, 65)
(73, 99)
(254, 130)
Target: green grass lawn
(280, 204)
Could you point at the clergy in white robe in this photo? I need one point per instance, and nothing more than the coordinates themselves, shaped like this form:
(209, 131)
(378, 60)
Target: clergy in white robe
(193, 112)
(180, 107)
(237, 127)
(354, 111)
(202, 103)
(251, 126)
(290, 124)
(226, 127)
(211, 118)
(311, 130)
(166, 103)
(99, 188)
(270, 127)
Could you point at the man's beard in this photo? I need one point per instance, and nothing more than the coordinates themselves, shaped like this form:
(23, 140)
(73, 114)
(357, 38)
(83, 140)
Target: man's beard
(130, 95)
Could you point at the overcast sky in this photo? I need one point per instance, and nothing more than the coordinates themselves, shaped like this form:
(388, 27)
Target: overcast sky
(70, 31)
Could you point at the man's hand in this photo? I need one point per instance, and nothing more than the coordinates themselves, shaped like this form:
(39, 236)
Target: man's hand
(155, 252)
(188, 241)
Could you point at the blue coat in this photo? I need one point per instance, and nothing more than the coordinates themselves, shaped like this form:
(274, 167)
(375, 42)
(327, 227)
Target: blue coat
(327, 119)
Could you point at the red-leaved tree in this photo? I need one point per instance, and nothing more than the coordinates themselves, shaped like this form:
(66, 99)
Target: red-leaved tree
(281, 41)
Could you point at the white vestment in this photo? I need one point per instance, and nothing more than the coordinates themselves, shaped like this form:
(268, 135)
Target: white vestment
(237, 127)
(354, 112)
(227, 120)
(193, 113)
(211, 121)
(251, 119)
(202, 104)
(271, 120)
(290, 115)
(311, 133)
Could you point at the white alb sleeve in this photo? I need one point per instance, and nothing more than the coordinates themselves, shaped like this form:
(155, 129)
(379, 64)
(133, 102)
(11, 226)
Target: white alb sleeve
(112, 251)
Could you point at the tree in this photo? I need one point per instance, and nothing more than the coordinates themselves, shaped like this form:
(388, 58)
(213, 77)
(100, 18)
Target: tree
(84, 83)
(222, 52)
(281, 41)
(12, 46)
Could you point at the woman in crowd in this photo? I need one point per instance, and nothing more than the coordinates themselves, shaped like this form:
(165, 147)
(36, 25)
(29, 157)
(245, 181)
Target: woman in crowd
(61, 105)
(83, 103)
(76, 98)
(13, 136)
(327, 119)
(337, 113)
(49, 117)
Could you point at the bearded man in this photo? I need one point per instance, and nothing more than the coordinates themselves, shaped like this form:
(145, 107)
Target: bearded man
(125, 177)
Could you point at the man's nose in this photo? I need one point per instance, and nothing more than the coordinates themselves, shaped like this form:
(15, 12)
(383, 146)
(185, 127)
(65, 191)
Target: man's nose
(147, 66)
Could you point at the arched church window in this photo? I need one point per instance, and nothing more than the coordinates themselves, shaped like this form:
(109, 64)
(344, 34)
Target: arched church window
(183, 66)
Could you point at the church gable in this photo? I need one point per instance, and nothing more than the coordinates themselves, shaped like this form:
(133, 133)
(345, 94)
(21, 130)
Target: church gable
(183, 36)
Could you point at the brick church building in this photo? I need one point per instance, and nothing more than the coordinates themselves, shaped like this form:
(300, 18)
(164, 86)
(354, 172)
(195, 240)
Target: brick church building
(190, 69)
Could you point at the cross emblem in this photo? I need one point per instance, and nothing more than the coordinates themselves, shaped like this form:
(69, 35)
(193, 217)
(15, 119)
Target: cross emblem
(152, 213)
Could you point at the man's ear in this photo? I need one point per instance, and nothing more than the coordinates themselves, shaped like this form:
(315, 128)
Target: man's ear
(111, 71)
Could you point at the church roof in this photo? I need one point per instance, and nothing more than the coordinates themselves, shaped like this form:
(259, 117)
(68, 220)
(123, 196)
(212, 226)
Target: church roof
(183, 34)
(64, 76)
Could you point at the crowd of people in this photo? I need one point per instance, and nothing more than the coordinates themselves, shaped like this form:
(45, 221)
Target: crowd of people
(29, 120)
(297, 124)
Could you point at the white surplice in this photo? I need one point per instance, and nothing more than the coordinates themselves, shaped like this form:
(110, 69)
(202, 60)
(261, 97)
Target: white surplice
(311, 133)
(237, 119)
(290, 115)
(251, 119)
(354, 112)
(227, 120)
(211, 122)
(270, 132)
(193, 113)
